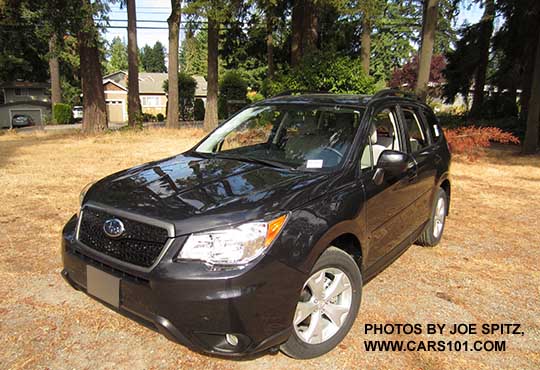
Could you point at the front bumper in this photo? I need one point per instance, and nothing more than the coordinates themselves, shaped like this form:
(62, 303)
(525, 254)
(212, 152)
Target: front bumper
(195, 306)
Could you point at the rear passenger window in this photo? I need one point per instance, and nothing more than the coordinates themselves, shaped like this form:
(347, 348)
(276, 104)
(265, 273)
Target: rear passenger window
(417, 135)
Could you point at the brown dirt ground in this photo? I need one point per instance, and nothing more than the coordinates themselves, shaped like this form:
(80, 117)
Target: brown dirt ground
(485, 270)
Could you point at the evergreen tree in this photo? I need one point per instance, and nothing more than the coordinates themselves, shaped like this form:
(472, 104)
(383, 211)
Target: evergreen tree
(158, 52)
(194, 53)
(153, 58)
(117, 56)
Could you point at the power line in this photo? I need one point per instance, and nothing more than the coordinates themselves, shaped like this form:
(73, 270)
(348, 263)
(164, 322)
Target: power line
(145, 21)
(123, 12)
(147, 27)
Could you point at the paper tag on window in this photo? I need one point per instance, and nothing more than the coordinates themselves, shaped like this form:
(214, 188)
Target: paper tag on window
(314, 163)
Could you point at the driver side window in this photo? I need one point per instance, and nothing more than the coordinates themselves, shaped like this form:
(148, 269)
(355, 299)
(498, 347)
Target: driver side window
(383, 135)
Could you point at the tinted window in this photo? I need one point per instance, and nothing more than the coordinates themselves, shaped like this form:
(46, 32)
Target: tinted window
(303, 137)
(417, 136)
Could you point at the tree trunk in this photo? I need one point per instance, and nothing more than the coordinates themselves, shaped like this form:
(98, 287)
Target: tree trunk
(211, 113)
(297, 30)
(174, 33)
(429, 28)
(528, 61)
(270, 43)
(530, 143)
(54, 68)
(365, 47)
(310, 27)
(484, 38)
(94, 108)
(134, 102)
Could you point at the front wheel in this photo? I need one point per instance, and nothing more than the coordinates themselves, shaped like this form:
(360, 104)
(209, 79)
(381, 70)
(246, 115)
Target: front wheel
(432, 233)
(327, 307)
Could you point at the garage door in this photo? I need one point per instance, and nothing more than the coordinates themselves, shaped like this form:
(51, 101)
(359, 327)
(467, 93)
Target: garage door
(115, 110)
(35, 114)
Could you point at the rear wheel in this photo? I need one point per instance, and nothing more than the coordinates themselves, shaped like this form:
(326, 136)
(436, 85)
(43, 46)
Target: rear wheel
(432, 233)
(327, 307)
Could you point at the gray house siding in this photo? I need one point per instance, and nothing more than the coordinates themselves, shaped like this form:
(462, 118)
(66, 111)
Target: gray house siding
(38, 112)
(29, 98)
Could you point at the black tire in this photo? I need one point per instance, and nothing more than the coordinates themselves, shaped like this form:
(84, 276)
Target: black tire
(428, 237)
(333, 257)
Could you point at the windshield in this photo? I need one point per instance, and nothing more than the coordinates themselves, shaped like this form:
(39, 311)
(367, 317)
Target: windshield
(299, 137)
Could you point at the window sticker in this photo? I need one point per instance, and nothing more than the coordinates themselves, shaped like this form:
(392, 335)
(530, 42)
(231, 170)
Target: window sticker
(314, 163)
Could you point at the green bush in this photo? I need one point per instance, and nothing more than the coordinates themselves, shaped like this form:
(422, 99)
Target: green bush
(323, 71)
(148, 117)
(198, 110)
(186, 94)
(62, 114)
(232, 87)
(254, 97)
(160, 117)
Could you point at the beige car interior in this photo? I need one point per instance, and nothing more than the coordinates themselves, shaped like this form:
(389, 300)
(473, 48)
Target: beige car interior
(330, 131)
(383, 136)
(416, 136)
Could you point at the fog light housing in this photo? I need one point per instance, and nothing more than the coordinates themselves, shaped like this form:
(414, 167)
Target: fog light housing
(231, 339)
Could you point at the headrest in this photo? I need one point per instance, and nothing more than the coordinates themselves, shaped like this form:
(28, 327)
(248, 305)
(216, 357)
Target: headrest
(343, 122)
(307, 126)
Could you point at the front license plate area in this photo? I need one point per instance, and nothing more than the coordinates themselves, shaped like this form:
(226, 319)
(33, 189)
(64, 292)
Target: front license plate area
(103, 286)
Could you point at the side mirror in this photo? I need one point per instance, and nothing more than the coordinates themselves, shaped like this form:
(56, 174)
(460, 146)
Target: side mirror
(391, 163)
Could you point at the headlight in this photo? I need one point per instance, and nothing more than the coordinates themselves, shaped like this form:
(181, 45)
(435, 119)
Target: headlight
(83, 193)
(234, 246)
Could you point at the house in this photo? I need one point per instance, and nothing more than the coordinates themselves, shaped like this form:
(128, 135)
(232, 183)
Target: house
(22, 97)
(153, 97)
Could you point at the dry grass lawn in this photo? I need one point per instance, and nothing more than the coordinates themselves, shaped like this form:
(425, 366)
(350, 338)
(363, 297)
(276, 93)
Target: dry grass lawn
(486, 270)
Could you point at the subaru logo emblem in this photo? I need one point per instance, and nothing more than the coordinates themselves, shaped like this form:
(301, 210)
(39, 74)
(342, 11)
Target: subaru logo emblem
(113, 228)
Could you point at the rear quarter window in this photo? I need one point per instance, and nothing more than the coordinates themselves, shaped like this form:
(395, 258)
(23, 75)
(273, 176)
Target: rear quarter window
(433, 124)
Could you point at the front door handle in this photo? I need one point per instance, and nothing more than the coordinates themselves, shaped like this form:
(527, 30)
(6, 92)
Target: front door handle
(412, 171)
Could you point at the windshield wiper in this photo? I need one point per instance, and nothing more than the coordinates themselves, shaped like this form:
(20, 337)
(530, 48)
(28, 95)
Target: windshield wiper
(264, 162)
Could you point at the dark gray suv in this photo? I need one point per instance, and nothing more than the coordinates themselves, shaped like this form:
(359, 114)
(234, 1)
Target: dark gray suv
(262, 236)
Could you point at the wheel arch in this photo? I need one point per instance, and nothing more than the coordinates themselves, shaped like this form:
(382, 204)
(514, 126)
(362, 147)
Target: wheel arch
(342, 237)
(350, 244)
(444, 183)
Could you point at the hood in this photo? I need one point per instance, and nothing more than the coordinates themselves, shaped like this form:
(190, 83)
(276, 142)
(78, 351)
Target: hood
(195, 193)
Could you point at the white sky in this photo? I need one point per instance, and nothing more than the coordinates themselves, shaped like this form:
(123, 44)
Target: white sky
(159, 10)
(147, 10)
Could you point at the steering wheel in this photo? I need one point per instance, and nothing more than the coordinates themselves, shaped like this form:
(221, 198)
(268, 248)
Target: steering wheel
(333, 150)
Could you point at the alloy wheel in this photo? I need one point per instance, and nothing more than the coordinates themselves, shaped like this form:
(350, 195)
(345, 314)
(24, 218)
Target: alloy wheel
(325, 302)
(439, 217)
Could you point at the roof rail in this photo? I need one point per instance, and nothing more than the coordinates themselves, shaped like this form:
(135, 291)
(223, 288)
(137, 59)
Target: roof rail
(291, 92)
(395, 92)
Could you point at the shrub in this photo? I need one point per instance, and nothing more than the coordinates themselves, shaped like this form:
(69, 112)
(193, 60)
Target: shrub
(160, 117)
(471, 140)
(148, 117)
(47, 120)
(323, 71)
(198, 110)
(254, 96)
(186, 94)
(62, 113)
(231, 87)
